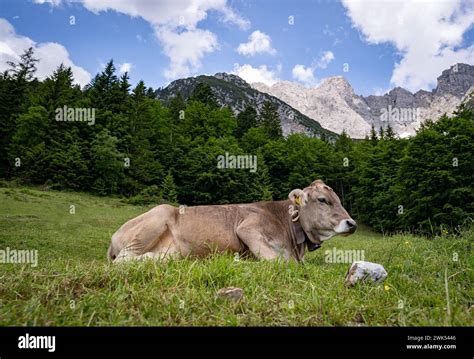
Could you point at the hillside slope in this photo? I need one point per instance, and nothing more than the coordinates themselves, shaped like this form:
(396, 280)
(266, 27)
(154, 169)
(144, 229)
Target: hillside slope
(232, 91)
(73, 284)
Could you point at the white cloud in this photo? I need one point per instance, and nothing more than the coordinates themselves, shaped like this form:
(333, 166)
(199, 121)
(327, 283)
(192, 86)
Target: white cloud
(175, 25)
(257, 74)
(325, 59)
(51, 2)
(125, 67)
(50, 54)
(380, 91)
(427, 35)
(303, 74)
(229, 16)
(170, 13)
(259, 43)
(185, 50)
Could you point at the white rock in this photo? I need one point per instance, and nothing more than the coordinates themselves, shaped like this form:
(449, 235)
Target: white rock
(361, 271)
(232, 293)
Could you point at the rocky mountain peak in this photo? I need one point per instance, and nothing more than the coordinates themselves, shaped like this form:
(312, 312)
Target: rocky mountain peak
(231, 78)
(333, 106)
(400, 97)
(456, 80)
(232, 91)
(336, 84)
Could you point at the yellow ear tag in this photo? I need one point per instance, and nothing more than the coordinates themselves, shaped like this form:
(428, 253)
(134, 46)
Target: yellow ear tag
(298, 200)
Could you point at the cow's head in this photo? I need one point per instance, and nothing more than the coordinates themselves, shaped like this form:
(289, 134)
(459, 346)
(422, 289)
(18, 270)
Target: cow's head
(321, 213)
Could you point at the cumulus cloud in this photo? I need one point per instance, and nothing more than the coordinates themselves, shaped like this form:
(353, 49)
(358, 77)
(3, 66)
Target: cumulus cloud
(257, 74)
(325, 59)
(50, 54)
(259, 43)
(51, 2)
(428, 36)
(186, 49)
(125, 67)
(169, 13)
(175, 25)
(303, 74)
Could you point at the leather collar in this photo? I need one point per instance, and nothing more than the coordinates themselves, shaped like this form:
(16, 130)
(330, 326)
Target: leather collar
(302, 237)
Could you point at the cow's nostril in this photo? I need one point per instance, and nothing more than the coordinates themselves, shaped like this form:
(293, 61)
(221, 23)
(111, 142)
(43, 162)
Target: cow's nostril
(351, 224)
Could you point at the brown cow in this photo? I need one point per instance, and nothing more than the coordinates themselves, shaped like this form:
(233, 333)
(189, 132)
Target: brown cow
(267, 230)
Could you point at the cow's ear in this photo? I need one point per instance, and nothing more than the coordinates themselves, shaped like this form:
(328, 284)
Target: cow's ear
(298, 197)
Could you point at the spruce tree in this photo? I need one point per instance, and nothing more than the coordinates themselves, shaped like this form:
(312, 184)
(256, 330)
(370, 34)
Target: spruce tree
(204, 94)
(269, 120)
(246, 120)
(168, 189)
(373, 135)
(107, 163)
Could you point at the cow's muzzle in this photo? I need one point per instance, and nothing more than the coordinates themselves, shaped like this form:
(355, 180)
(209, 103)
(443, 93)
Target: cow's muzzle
(346, 226)
(352, 225)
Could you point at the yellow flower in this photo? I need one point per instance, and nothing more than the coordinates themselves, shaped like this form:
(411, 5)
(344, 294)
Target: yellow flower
(386, 287)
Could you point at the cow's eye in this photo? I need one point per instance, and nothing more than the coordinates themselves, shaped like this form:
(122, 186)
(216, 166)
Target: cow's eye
(322, 200)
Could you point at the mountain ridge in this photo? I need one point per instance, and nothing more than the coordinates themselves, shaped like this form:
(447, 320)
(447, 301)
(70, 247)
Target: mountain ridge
(232, 91)
(333, 106)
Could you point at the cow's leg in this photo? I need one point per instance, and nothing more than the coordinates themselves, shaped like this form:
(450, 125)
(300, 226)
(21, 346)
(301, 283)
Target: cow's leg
(159, 256)
(125, 255)
(142, 234)
(163, 252)
(250, 233)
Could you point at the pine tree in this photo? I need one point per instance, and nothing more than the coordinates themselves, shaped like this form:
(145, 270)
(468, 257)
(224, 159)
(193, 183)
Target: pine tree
(138, 136)
(246, 120)
(58, 90)
(343, 143)
(260, 186)
(373, 136)
(269, 120)
(15, 98)
(107, 163)
(168, 189)
(381, 133)
(26, 68)
(105, 90)
(204, 94)
(389, 133)
(177, 105)
(29, 147)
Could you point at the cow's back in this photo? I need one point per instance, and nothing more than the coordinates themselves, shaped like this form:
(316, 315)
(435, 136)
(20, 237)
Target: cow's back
(200, 230)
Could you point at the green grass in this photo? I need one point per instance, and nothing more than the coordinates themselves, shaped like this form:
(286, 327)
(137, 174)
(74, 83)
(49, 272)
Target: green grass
(74, 284)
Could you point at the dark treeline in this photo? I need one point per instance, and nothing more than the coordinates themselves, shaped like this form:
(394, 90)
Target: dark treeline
(150, 152)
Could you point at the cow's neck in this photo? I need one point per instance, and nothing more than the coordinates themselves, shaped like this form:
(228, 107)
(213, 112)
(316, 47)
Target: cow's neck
(302, 239)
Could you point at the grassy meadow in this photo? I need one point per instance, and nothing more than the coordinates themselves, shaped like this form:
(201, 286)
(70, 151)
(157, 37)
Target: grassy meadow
(430, 282)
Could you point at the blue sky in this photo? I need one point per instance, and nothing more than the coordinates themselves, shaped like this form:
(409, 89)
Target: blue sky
(380, 44)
